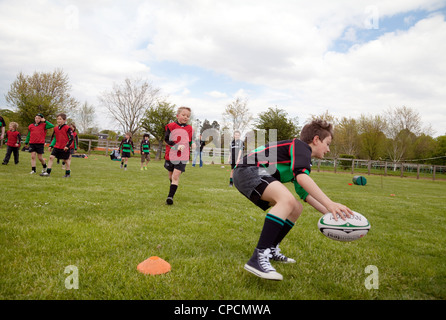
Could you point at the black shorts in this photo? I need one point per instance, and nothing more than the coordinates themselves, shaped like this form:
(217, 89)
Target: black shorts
(125, 154)
(179, 165)
(61, 154)
(252, 182)
(37, 148)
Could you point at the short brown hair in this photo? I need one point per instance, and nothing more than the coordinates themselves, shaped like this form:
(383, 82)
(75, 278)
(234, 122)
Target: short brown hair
(317, 127)
(62, 115)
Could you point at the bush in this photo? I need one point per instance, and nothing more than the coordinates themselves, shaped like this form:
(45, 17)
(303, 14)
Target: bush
(346, 164)
(84, 144)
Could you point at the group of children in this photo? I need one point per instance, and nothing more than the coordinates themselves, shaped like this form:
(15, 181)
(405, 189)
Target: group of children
(126, 148)
(63, 143)
(259, 175)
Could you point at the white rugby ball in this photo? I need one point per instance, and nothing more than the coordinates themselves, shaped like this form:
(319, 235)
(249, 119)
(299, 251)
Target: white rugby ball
(350, 229)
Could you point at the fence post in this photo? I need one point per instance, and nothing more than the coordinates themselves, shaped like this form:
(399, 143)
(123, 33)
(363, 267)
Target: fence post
(402, 169)
(353, 166)
(106, 148)
(335, 163)
(318, 165)
(369, 166)
(433, 172)
(385, 168)
(418, 171)
(89, 146)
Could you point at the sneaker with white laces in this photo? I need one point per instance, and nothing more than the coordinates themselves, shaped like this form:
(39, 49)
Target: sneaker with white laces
(44, 174)
(260, 266)
(278, 256)
(32, 172)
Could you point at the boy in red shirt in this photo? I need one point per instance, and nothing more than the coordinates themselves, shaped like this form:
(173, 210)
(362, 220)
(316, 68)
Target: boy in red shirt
(36, 140)
(13, 140)
(178, 138)
(61, 143)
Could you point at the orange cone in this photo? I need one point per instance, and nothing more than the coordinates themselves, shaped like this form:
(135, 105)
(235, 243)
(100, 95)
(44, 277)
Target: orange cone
(154, 265)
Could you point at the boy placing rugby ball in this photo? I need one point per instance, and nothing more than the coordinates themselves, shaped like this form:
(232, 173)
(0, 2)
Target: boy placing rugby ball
(260, 175)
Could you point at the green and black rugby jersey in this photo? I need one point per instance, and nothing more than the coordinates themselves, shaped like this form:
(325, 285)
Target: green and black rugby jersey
(126, 145)
(284, 160)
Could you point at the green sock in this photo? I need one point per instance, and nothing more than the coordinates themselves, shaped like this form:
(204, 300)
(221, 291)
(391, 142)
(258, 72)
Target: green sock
(67, 172)
(48, 170)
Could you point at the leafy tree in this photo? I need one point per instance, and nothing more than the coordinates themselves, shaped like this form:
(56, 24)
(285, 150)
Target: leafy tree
(46, 93)
(372, 137)
(278, 119)
(155, 120)
(346, 136)
(440, 151)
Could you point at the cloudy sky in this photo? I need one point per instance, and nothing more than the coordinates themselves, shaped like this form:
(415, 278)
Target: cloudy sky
(349, 57)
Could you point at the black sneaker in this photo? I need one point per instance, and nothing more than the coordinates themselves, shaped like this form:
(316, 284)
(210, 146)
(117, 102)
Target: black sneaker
(277, 256)
(169, 201)
(260, 266)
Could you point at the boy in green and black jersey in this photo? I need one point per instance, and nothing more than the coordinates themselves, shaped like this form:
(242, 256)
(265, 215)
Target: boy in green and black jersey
(125, 148)
(145, 151)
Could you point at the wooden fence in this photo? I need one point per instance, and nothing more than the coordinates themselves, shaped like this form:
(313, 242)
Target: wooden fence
(336, 165)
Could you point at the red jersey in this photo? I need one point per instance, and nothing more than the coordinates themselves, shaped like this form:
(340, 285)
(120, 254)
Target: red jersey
(75, 141)
(176, 135)
(13, 138)
(62, 137)
(37, 132)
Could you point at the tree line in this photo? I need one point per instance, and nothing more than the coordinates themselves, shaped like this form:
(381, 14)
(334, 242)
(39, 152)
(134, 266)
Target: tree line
(138, 106)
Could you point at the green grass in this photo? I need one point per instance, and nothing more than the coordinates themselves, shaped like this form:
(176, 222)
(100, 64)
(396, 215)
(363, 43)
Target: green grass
(105, 221)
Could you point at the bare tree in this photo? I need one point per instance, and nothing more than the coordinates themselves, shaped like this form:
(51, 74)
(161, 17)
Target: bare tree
(237, 115)
(85, 118)
(401, 123)
(128, 102)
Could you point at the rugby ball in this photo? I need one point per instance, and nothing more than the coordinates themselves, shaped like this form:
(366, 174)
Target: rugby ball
(350, 229)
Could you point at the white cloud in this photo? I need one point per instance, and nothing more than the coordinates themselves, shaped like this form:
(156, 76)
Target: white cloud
(217, 94)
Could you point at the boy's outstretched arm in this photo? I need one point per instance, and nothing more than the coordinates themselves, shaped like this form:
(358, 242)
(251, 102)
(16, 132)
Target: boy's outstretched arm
(316, 204)
(312, 188)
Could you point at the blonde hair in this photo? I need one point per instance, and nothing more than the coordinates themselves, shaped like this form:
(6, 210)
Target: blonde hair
(183, 108)
(15, 125)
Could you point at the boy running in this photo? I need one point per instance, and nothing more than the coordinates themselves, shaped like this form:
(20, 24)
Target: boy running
(260, 176)
(145, 151)
(126, 147)
(36, 140)
(13, 140)
(61, 142)
(178, 138)
(235, 155)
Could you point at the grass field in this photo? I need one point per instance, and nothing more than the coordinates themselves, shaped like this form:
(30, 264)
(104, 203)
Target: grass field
(105, 221)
